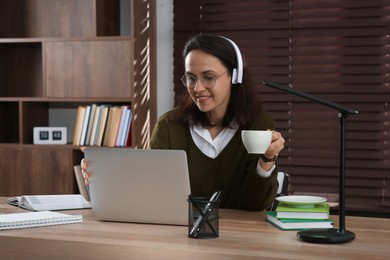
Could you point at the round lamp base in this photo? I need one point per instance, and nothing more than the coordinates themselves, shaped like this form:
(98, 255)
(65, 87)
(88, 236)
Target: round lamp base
(326, 236)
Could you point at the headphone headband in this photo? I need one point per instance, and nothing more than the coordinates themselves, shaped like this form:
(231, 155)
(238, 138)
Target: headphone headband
(238, 72)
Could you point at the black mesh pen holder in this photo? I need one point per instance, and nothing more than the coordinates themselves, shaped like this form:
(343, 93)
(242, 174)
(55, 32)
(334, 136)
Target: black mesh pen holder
(203, 217)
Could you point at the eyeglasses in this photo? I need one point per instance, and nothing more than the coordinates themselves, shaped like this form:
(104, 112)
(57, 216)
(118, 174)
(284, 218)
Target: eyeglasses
(207, 80)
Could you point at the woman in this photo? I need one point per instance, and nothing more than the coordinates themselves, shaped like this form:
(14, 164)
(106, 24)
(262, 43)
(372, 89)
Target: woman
(220, 101)
(207, 124)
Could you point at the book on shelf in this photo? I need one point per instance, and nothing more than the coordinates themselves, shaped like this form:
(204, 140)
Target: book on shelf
(90, 124)
(128, 138)
(102, 125)
(122, 126)
(85, 125)
(126, 131)
(95, 124)
(317, 211)
(297, 224)
(36, 219)
(50, 202)
(112, 126)
(110, 116)
(78, 125)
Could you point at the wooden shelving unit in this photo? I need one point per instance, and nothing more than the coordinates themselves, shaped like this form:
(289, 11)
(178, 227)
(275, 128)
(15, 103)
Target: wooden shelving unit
(57, 55)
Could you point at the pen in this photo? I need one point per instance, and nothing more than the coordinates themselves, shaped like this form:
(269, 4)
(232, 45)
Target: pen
(206, 212)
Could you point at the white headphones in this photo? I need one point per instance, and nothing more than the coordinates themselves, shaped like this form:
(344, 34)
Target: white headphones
(238, 72)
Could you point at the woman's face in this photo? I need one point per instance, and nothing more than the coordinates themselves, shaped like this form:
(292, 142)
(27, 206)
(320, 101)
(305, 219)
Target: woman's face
(214, 101)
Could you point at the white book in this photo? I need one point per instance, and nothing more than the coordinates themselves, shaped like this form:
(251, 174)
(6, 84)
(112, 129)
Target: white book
(36, 219)
(50, 202)
(127, 128)
(121, 128)
(83, 137)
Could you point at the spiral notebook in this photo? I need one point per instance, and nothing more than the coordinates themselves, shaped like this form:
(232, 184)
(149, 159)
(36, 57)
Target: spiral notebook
(36, 219)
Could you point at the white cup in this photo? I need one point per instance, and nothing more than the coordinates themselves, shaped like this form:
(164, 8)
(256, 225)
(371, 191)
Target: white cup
(256, 141)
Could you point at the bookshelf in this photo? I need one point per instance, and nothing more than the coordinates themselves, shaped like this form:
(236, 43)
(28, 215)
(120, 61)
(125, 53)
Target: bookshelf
(56, 56)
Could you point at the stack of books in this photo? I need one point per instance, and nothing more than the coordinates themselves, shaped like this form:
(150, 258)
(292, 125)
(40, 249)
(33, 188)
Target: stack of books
(288, 217)
(103, 125)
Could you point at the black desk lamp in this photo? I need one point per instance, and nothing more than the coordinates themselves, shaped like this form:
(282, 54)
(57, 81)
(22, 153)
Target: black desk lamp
(332, 235)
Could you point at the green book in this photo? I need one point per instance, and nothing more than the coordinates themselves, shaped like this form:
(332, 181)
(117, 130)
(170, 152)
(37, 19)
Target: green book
(297, 224)
(318, 211)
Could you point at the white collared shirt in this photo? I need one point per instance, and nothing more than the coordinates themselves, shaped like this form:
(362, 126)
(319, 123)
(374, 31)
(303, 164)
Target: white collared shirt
(213, 147)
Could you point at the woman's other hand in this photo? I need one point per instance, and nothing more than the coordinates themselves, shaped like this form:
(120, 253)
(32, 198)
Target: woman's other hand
(84, 166)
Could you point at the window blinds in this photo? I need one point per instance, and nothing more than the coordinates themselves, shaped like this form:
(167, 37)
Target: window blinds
(337, 50)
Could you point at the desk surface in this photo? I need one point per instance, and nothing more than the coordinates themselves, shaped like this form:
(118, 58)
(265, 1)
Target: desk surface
(242, 235)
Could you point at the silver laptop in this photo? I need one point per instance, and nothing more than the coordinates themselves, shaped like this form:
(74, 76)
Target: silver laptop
(134, 185)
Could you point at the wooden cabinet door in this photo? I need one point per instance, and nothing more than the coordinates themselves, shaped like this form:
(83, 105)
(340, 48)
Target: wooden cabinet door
(89, 69)
(36, 170)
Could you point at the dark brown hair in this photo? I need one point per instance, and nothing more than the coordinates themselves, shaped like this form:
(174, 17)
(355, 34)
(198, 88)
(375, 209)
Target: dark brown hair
(244, 103)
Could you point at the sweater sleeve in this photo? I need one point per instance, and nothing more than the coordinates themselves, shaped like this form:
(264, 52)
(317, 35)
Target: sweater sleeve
(257, 192)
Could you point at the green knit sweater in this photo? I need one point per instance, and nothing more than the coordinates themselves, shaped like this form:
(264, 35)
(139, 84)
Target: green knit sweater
(233, 171)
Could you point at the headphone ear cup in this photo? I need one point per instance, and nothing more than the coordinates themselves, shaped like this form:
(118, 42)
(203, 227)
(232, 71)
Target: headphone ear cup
(234, 76)
(237, 73)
